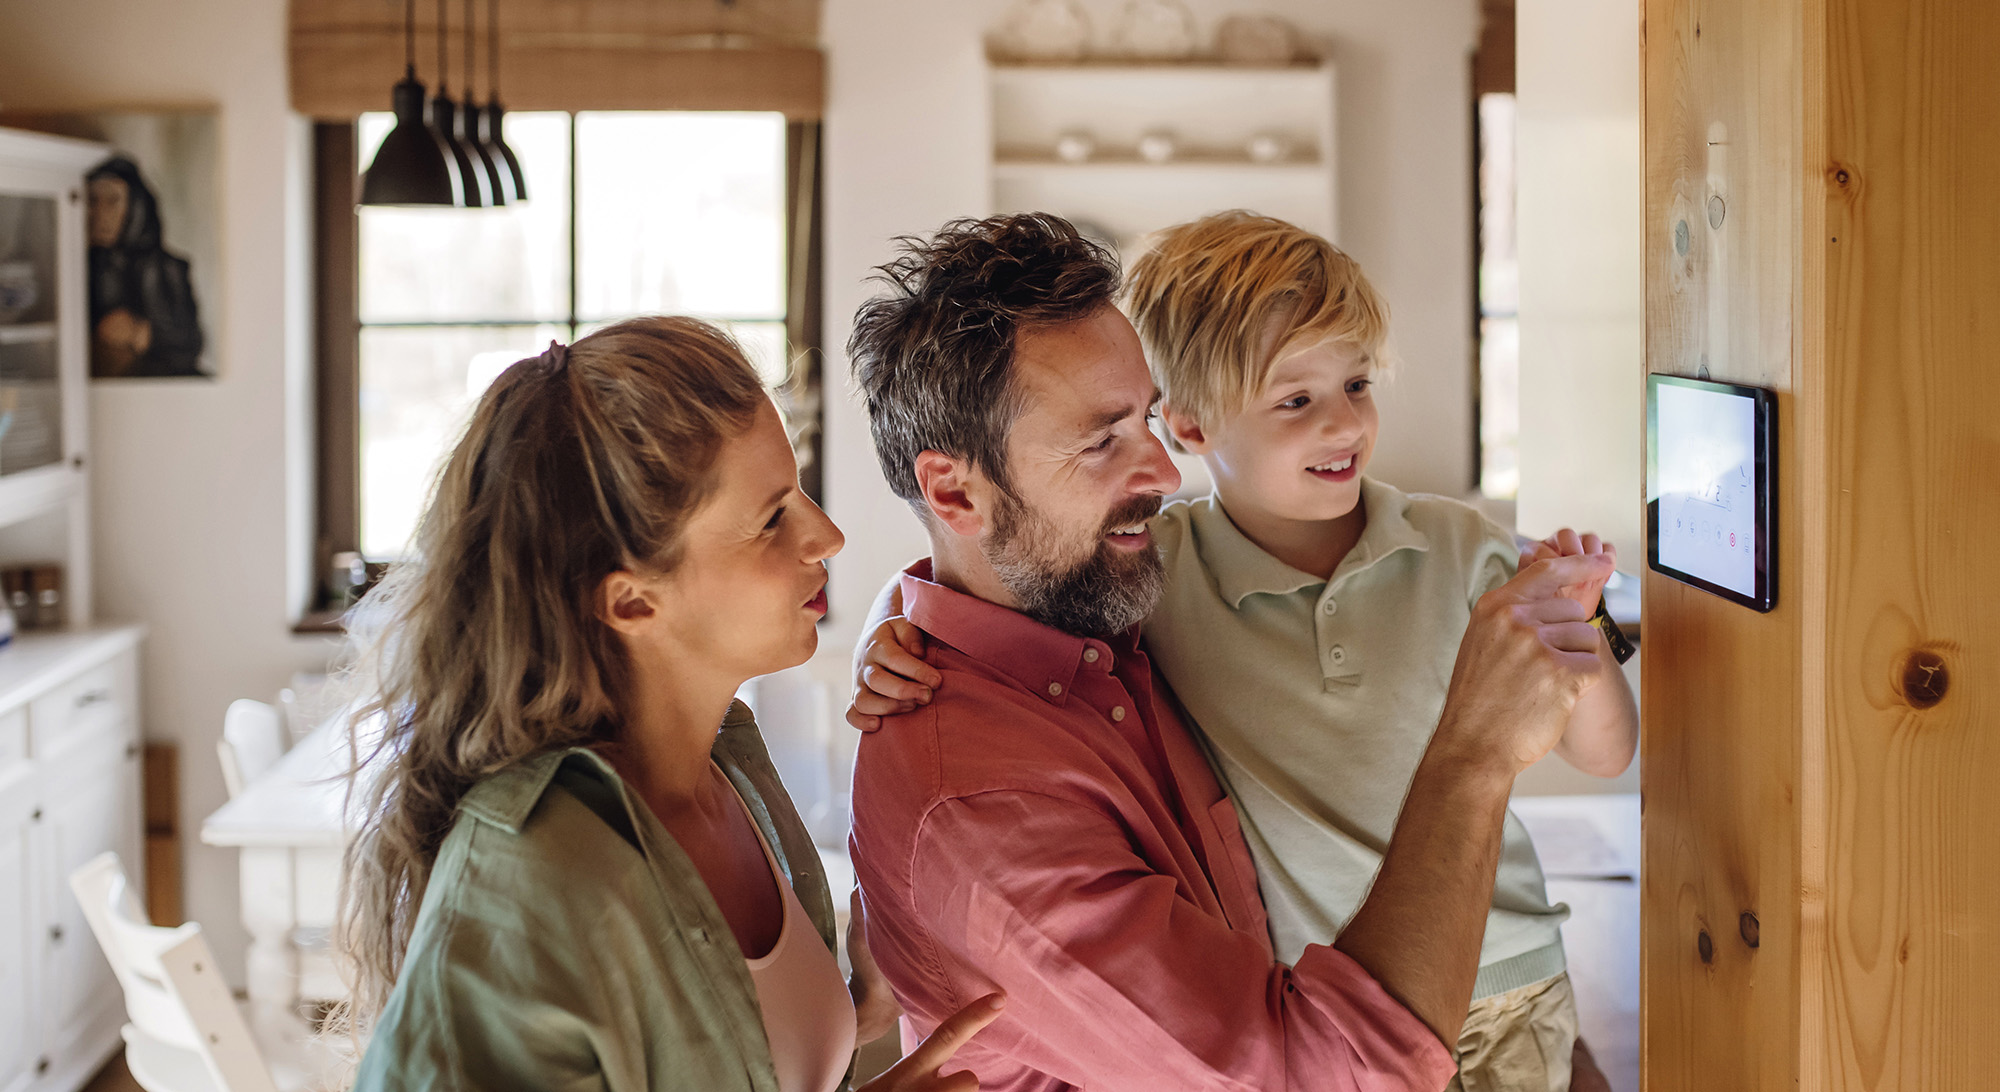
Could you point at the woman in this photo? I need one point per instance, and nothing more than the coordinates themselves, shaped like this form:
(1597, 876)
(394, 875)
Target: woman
(580, 870)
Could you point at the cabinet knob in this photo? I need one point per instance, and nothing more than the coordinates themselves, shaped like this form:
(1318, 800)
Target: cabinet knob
(92, 697)
(55, 933)
(37, 816)
(131, 750)
(41, 1066)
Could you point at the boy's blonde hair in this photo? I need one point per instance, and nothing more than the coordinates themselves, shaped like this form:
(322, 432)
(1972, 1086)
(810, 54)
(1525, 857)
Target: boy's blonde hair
(1204, 296)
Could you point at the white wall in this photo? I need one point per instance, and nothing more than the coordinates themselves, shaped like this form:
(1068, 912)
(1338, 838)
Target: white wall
(906, 138)
(201, 500)
(1580, 206)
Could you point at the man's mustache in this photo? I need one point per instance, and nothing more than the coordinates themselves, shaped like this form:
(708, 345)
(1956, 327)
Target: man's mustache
(1136, 510)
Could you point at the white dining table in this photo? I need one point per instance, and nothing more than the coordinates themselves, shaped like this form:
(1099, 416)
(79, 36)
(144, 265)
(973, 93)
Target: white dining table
(290, 829)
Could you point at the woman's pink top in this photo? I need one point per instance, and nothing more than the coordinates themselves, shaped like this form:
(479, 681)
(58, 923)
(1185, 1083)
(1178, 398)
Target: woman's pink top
(808, 1015)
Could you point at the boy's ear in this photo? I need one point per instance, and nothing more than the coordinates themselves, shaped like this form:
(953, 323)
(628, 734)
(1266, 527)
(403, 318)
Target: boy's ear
(625, 602)
(1185, 430)
(952, 492)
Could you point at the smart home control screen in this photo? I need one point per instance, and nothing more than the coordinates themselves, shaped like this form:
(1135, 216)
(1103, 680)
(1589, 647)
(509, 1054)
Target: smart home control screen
(1707, 466)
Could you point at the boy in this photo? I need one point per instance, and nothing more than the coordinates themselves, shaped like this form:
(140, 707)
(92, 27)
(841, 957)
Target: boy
(1312, 616)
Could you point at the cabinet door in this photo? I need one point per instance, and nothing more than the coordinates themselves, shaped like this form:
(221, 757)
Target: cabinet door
(20, 1041)
(88, 809)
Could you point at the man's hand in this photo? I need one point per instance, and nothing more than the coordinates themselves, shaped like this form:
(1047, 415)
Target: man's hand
(1529, 653)
(875, 1007)
(922, 1070)
(890, 676)
(1568, 543)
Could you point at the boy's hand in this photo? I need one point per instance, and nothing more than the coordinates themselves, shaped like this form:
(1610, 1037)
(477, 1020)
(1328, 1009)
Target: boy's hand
(1529, 653)
(1568, 543)
(890, 676)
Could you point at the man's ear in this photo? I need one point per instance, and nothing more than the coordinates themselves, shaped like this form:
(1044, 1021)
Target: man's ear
(625, 602)
(1185, 430)
(949, 492)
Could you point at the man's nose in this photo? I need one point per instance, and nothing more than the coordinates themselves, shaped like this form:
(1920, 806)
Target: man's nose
(1157, 473)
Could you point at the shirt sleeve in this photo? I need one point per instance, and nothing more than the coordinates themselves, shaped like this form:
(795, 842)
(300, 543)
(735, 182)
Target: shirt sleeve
(1495, 560)
(1116, 981)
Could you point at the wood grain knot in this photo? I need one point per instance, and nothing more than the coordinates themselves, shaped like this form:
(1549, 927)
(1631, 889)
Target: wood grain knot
(1925, 678)
(1704, 947)
(1840, 177)
(1747, 926)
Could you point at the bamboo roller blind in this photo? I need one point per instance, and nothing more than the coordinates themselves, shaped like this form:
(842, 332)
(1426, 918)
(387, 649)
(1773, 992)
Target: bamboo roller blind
(569, 54)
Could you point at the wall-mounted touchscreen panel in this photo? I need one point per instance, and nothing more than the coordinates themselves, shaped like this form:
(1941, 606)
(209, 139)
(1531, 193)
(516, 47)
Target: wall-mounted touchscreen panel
(1710, 474)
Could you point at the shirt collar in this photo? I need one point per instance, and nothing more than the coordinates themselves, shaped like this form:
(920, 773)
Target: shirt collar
(1042, 659)
(1242, 568)
(507, 797)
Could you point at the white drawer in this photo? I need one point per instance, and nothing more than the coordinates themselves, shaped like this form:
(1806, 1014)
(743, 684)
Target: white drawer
(97, 699)
(13, 736)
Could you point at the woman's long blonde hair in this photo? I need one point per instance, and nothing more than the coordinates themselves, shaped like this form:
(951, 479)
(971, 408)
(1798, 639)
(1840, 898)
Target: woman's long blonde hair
(575, 464)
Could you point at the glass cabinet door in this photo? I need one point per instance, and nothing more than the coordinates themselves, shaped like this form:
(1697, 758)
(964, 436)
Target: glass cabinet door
(30, 390)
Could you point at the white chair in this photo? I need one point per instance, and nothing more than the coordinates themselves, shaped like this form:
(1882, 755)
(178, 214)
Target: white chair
(253, 739)
(186, 1033)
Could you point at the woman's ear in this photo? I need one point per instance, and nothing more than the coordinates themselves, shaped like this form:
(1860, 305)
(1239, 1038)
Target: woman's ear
(626, 603)
(1185, 430)
(951, 491)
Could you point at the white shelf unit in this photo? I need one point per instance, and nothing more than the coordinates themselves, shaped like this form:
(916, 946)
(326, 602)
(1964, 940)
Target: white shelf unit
(1211, 110)
(69, 697)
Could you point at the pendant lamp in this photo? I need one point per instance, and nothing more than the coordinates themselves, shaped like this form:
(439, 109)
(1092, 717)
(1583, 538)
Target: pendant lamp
(471, 130)
(414, 165)
(445, 115)
(490, 118)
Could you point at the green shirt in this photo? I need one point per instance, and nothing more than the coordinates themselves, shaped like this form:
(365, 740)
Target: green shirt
(566, 942)
(1318, 696)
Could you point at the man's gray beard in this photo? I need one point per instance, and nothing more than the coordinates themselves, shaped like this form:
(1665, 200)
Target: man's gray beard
(1106, 593)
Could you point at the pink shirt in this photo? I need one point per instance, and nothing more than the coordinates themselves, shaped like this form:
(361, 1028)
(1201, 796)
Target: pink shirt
(1047, 826)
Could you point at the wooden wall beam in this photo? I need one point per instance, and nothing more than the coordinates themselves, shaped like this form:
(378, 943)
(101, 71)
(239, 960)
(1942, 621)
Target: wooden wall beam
(1829, 769)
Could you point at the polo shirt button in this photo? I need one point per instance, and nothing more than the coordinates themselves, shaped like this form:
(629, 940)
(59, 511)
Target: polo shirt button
(1117, 712)
(1329, 607)
(1090, 655)
(1336, 655)
(1055, 690)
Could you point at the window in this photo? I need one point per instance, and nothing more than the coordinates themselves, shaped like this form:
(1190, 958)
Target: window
(1499, 302)
(629, 214)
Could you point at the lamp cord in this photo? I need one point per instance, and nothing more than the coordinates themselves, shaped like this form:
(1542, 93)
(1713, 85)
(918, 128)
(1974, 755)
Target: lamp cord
(442, 37)
(410, 38)
(471, 65)
(493, 49)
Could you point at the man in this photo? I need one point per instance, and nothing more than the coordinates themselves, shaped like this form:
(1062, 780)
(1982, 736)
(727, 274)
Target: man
(1046, 825)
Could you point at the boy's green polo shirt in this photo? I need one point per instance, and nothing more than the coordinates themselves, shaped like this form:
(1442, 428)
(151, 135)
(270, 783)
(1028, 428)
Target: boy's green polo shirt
(1318, 697)
(566, 942)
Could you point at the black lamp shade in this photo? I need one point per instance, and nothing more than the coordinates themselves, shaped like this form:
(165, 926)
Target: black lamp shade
(506, 160)
(471, 170)
(499, 180)
(414, 166)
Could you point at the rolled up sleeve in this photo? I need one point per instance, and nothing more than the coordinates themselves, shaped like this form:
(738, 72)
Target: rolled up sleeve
(1117, 981)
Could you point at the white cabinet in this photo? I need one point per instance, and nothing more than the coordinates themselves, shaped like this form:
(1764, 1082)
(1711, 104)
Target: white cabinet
(69, 725)
(19, 1038)
(73, 795)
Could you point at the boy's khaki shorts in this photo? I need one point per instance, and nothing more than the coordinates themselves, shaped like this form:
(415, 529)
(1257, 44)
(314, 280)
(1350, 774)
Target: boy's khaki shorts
(1518, 1041)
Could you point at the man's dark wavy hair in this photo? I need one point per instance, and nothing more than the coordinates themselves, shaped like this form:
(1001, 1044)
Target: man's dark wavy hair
(934, 354)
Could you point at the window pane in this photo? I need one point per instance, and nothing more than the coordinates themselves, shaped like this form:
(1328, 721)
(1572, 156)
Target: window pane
(428, 265)
(680, 213)
(418, 386)
(1499, 303)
